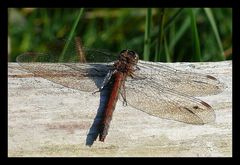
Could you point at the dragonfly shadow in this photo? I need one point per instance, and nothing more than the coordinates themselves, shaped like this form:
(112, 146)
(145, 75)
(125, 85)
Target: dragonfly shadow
(94, 129)
(97, 73)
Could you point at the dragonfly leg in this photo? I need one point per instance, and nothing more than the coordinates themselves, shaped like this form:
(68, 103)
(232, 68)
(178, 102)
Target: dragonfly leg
(123, 94)
(105, 81)
(137, 68)
(96, 91)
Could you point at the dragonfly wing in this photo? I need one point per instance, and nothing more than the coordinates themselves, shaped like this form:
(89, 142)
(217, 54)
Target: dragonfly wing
(60, 50)
(165, 103)
(194, 84)
(81, 76)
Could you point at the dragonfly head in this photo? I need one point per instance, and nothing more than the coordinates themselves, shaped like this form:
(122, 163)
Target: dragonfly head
(129, 56)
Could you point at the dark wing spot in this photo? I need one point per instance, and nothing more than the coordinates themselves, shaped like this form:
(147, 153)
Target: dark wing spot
(189, 110)
(205, 104)
(211, 77)
(196, 107)
(200, 82)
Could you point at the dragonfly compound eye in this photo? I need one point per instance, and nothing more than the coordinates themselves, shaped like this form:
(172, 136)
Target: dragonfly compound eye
(123, 51)
(132, 53)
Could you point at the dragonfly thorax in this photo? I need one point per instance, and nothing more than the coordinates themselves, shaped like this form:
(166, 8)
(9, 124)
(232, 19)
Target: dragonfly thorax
(127, 61)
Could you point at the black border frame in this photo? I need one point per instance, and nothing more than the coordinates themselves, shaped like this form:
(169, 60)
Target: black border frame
(97, 3)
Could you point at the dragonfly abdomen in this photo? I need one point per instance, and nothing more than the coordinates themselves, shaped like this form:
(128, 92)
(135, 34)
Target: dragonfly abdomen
(111, 104)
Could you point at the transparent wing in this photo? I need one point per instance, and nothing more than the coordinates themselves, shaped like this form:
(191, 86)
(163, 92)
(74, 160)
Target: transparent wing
(156, 89)
(165, 103)
(193, 84)
(72, 66)
(60, 50)
(72, 74)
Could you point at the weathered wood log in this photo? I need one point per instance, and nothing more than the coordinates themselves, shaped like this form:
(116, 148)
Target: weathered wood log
(47, 119)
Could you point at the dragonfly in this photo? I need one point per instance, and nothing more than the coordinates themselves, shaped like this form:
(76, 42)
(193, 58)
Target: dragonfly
(154, 88)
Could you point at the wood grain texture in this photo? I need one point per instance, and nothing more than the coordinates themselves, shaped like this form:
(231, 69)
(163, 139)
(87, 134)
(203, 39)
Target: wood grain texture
(47, 119)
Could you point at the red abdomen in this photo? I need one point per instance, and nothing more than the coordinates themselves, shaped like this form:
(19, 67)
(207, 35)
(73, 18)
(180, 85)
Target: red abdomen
(110, 105)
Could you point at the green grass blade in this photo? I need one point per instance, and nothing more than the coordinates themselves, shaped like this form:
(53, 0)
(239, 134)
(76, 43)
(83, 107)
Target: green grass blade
(69, 39)
(147, 39)
(167, 54)
(179, 33)
(160, 35)
(172, 19)
(212, 21)
(196, 43)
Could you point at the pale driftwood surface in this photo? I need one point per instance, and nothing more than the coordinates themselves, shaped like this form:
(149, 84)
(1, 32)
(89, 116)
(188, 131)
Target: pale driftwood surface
(47, 119)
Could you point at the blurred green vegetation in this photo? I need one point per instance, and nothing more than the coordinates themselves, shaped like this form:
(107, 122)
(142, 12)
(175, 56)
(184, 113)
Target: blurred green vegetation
(156, 34)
